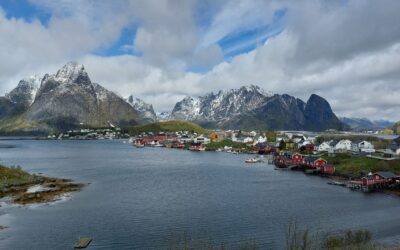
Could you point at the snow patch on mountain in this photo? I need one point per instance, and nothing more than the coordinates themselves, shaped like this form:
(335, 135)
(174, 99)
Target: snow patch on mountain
(224, 104)
(144, 109)
(163, 116)
(25, 91)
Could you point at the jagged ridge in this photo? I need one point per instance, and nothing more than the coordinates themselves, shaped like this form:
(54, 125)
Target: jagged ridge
(250, 107)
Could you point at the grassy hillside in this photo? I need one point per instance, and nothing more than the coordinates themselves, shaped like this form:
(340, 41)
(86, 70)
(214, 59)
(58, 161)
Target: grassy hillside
(346, 164)
(167, 126)
(19, 126)
(13, 175)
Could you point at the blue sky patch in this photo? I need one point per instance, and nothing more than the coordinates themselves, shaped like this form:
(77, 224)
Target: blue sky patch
(123, 46)
(25, 10)
(244, 41)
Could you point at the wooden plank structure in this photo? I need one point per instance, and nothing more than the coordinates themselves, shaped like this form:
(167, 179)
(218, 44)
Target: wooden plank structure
(83, 243)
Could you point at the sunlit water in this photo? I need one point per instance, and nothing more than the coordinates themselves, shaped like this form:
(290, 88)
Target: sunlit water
(149, 198)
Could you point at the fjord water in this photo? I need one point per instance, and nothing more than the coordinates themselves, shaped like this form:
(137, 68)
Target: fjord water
(149, 198)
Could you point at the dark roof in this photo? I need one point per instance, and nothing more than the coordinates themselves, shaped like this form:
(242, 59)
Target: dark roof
(386, 174)
(310, 158)
(396, 140)
(394, 147)
(369, 177)
(333, 142)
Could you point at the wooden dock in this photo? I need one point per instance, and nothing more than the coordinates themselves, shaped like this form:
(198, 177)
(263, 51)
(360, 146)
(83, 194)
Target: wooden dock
(83, 243)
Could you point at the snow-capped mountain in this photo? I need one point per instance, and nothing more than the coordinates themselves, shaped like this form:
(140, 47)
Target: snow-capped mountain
(65, 100)
(222, 105)
(250, 107)
(145, 110)
(25, 91)
(163, 116)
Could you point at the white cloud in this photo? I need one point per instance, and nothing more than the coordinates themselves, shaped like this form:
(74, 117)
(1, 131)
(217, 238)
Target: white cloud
(346, 51)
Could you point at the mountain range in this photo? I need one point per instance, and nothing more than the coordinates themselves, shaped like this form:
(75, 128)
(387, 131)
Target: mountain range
(360, 124)
(69, 99)
(250, 107)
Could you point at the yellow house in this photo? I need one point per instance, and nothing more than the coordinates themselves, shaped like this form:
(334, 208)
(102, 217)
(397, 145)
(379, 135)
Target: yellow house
(217, 136)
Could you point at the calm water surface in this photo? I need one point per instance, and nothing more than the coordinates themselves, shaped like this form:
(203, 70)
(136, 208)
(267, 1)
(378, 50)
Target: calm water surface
(147, 198)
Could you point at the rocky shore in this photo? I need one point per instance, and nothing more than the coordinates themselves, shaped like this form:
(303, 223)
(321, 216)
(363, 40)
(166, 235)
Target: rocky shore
(22, 188)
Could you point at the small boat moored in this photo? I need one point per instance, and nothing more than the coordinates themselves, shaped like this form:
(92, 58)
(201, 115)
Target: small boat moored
(252, 160)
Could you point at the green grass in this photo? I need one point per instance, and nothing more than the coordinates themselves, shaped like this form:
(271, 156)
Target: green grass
(168, 126)
(347, 164)
(235, 145)
(13, 176)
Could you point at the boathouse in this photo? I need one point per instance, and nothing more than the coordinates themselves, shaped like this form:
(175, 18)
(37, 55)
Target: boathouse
(297, 158)
(313, 162)
(327, 169)
(375, 181)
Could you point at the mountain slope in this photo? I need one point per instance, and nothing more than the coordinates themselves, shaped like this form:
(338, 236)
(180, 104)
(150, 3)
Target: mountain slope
(145, 110)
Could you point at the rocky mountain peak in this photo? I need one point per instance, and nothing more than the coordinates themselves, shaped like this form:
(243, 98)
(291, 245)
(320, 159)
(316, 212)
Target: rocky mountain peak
(144, 109)
(25, 91)
(319, 111)
(224, 104)
(73, 72)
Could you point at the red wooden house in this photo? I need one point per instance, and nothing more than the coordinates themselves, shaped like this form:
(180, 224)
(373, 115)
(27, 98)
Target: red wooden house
(378, 177)
(297, 158)
(313, 162)
(327, 169)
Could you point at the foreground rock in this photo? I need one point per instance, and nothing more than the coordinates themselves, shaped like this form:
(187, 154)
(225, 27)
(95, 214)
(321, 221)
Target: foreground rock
(23, 188)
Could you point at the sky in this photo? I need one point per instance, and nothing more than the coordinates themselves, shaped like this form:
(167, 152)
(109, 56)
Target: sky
(163, 50)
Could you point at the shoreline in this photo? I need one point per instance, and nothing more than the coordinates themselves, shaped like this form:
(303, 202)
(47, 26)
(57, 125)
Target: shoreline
(22, 188)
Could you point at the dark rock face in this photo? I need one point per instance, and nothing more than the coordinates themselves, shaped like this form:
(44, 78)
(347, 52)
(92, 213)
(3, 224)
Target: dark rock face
(319, 115)
(251, 108)
(69, 99)
(9, 109)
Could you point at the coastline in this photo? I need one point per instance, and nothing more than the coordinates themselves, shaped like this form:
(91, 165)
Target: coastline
(21, 188)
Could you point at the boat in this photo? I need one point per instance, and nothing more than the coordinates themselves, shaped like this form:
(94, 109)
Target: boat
(337, 183)
(252, 160)
(82, 243)
(138, 145)
(281, 168)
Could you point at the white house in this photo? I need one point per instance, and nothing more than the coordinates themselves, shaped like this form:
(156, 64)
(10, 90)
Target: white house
(253, 133)
(261, 139)
(362, 146)
(201, 139)
(248, 140)
(325, 146)
(185, 139)
(343, 145)
(234, 138)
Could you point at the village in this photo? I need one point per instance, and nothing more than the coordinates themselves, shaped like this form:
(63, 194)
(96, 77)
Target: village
(295, 151)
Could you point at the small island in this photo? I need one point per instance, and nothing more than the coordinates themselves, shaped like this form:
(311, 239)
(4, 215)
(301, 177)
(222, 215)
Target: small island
(23, 188)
